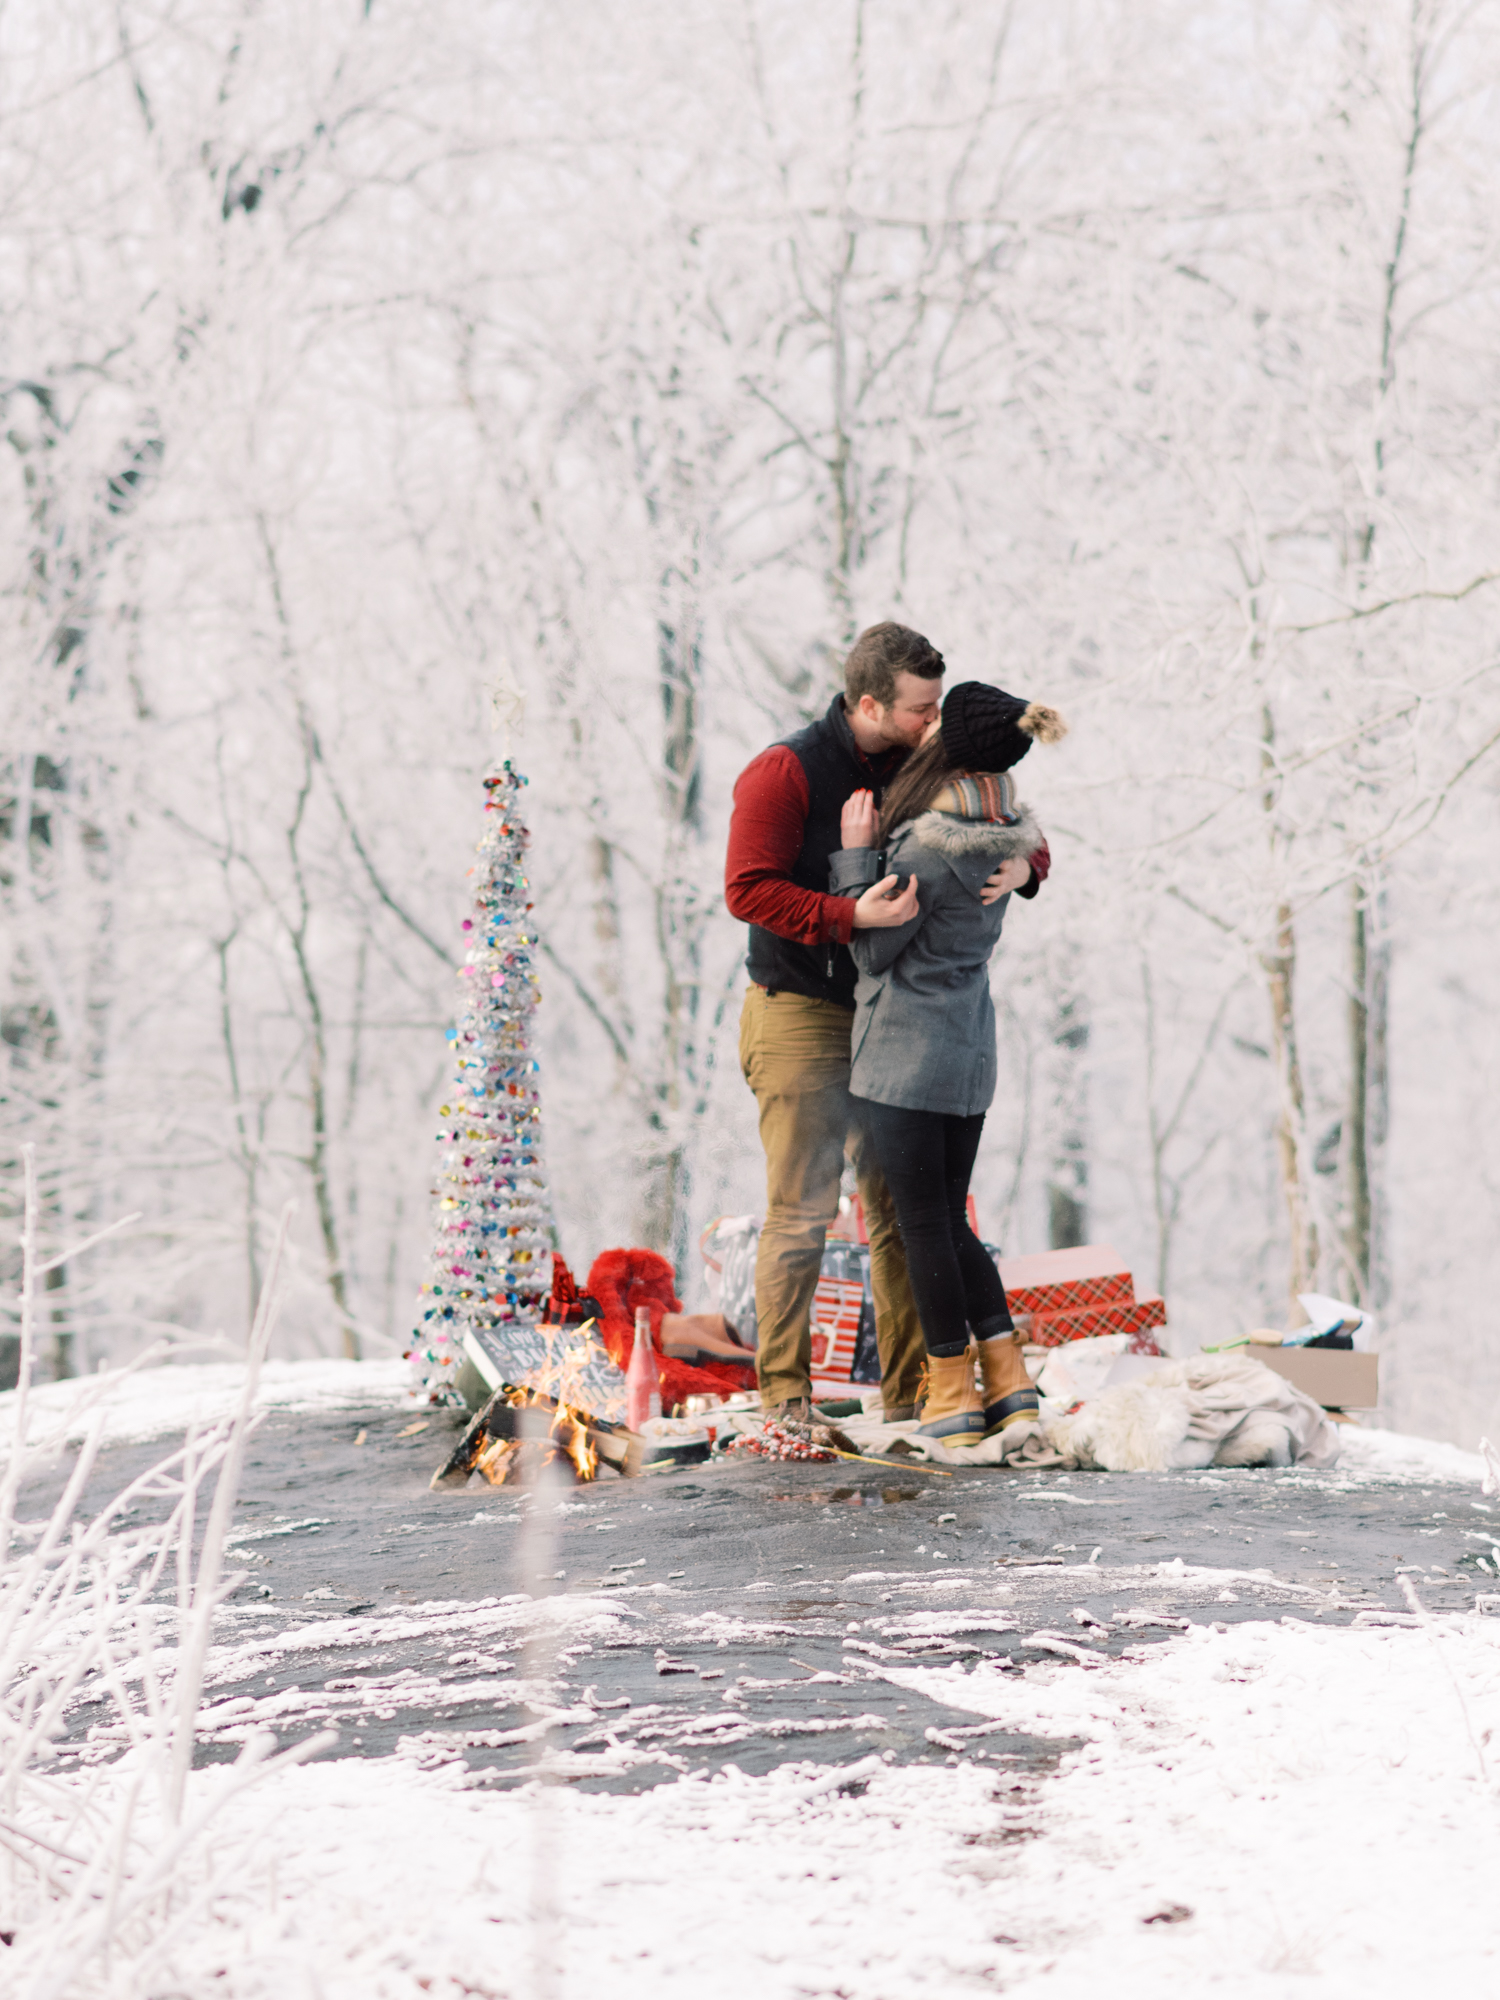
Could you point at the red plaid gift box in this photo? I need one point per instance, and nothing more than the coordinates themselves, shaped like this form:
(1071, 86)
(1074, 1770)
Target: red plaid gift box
(1059, 1280)
(1062, 1295)
(1134, 1317)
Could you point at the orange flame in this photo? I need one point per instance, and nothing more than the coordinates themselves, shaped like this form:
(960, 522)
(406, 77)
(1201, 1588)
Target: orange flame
(496, 1460)
(571, 1434)
(561, 1375)
(554, 1387)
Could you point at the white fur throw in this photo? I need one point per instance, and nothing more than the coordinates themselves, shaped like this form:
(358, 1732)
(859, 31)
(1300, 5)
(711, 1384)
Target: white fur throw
(1135, 1427)
(1213, 1409)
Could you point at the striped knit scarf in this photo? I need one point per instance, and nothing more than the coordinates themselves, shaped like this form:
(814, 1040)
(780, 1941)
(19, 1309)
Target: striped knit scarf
(986, 795)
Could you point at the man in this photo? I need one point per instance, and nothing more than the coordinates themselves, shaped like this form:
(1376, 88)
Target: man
(794, 1030)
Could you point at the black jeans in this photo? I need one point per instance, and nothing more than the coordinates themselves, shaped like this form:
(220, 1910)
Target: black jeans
(927, 1158)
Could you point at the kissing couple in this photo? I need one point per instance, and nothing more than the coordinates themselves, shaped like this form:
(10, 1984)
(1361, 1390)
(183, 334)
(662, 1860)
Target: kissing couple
(874, 855)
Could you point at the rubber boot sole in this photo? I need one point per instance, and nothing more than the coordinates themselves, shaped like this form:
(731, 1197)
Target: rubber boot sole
(967, 1427)
(1023, 1406)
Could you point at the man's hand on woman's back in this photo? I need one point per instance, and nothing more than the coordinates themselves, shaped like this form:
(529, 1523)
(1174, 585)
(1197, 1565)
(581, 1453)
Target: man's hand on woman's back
(1012, 874)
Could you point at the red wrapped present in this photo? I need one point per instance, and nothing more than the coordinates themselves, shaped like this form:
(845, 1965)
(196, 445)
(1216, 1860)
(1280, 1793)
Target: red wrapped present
(1052, 1281)
(1132, 1316)
(1062, 1295)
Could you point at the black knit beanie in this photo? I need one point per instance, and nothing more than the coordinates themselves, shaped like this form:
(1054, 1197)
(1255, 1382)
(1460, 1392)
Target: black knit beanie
(986, 729)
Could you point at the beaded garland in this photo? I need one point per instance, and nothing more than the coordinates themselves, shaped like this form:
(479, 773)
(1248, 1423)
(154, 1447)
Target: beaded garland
(492, 1226)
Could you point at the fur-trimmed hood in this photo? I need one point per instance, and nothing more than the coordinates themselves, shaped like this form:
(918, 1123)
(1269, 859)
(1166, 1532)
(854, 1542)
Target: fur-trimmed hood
(954, 836)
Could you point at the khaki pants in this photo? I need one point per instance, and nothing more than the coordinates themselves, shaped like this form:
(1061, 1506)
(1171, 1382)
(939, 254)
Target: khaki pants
(795, 1056)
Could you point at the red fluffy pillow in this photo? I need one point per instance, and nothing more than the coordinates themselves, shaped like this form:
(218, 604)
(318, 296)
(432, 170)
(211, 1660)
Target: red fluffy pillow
(621, 1280)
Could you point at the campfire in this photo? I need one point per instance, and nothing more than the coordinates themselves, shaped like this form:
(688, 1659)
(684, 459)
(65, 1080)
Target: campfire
(525, 1428)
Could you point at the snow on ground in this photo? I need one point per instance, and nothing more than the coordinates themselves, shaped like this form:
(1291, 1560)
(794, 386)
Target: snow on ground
(1322, 1802)
(155, 1402)
(1407, 1461)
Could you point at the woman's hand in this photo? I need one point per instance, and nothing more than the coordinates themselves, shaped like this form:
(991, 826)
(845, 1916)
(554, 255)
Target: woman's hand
(1013, 874)
(881, 909)
(859, 821)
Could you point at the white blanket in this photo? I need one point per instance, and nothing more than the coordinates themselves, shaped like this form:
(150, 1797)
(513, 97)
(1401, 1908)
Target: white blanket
(1213, 1409)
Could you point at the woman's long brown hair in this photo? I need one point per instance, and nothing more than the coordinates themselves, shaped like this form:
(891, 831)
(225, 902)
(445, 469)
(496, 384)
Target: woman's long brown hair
(915, 786)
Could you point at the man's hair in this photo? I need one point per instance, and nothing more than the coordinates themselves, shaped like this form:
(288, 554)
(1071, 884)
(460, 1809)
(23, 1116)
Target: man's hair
(879, 654)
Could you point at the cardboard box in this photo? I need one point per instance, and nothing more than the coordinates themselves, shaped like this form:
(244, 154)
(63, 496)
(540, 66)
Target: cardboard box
(1336, 1377)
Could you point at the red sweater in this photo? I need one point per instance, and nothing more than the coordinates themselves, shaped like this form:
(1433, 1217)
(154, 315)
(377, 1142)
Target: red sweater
(766, 832)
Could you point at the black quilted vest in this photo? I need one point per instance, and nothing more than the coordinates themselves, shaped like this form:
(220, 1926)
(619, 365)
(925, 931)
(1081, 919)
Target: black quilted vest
(836, 768)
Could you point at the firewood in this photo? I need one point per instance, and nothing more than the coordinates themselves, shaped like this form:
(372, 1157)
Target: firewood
(514, 1416)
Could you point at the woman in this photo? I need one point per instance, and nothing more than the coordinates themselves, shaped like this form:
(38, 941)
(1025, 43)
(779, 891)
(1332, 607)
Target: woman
(924, 1033)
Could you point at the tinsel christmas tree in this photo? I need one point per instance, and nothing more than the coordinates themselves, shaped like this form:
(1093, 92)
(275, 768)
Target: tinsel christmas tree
(492, 1229)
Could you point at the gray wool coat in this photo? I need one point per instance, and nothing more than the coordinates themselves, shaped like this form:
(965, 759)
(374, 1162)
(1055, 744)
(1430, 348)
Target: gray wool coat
(924, 1023)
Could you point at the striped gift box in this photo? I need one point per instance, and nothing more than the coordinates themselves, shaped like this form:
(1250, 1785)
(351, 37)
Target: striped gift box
(836, 1308)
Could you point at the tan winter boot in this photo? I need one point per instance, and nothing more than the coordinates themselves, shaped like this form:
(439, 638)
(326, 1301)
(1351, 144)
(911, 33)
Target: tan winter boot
(1009, 1399)
(952, 1413)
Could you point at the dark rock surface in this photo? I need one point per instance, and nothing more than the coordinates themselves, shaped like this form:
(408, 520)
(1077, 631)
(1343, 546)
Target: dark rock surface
(740, 1611)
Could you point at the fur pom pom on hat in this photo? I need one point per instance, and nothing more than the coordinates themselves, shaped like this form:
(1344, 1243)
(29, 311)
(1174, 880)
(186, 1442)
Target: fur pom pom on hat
(986, 729)
(1041, 723)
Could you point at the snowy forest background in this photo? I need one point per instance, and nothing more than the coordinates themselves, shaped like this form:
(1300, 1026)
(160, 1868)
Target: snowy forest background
(364, 366)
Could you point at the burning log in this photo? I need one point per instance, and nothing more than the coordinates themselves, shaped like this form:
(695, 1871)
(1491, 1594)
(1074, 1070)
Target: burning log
(519, 1430)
